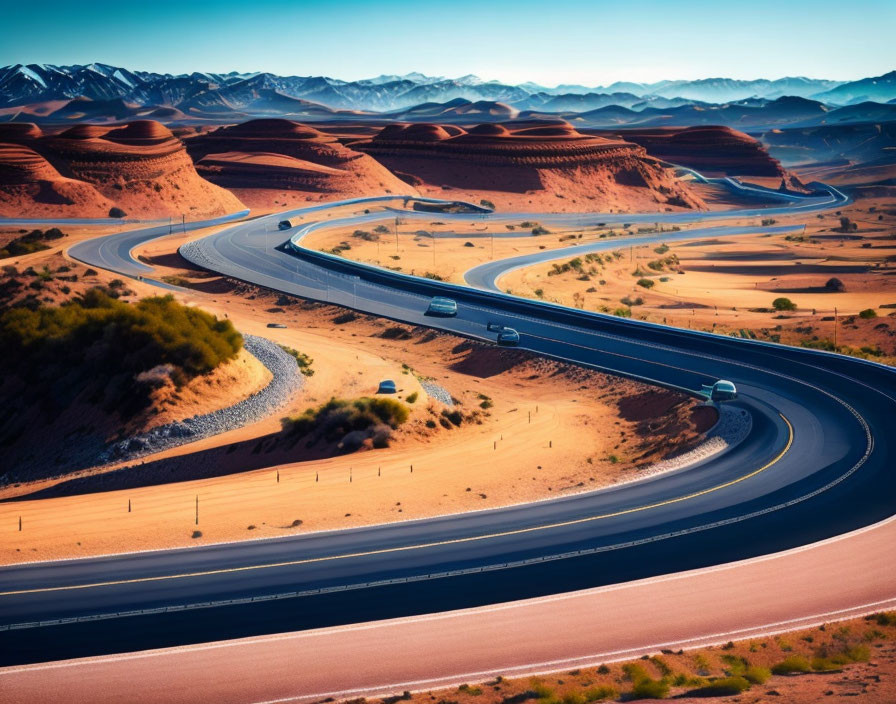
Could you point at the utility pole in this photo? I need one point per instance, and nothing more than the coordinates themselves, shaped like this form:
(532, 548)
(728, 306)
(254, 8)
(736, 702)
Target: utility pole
(396, 234)
(197, 509)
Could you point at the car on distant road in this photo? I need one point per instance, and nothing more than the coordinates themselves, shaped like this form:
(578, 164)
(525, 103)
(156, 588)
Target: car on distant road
(387, 386)
(723, 390)
(442, 307)
(276, 325)
(494, 327)
(508, 337)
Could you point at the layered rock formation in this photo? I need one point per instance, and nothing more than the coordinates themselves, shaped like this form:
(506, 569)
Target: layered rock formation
(713, 151)
(535, 165)
(140, 167)
(29, 185)
(265, 159)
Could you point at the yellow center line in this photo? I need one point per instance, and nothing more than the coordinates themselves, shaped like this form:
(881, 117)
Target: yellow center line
(421, 546)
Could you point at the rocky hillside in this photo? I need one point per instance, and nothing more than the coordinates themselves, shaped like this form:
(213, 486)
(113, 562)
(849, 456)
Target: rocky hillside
(536, 165)
(140, 168)
(714, 151)
(261, 159)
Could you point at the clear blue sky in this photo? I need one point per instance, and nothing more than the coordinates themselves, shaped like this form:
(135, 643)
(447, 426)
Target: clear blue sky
(575, 41)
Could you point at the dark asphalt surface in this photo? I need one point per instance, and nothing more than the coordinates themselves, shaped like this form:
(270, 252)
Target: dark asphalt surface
(826, 469)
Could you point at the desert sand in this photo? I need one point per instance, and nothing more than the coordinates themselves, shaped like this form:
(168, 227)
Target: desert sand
(251, 484)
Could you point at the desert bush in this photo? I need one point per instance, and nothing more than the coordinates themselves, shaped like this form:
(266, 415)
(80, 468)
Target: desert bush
(650, 689)
(395, 333)
(884, 618)
(646, 283)
(344, 318)
(722, 687)
(834, 284)
(487, 204)
(302, 359)
(30, 242)
(348, 424)
(757, 675)
(101, 343)
(795, 664)
(116, 212)
(599, 694)
(783, 304)
(867, 314)
(412, 397)
(542, 691)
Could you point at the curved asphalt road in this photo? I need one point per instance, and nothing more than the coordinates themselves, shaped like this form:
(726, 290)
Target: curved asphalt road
(817, 463)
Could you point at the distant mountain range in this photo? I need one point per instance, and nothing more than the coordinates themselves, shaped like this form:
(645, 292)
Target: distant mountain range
(24, 84)
(102, 92)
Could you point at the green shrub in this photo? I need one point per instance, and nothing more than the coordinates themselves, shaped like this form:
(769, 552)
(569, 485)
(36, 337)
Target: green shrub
(349, 423)
(783, 304)
(599, 694)
(867, 313)
(794, 664)
(646, 283)
(757, 675)
(885, 618)
(412, 397)
(542, 691)
(302, 359)
(573, 698)
(30, 242)
(650, 689)
(97, 342)
(722, 687)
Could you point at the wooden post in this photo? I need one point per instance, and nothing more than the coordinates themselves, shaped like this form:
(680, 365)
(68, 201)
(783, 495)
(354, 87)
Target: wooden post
(129, 505)
(278, 476)
(835, 329)
(197, 509)
(20, 524)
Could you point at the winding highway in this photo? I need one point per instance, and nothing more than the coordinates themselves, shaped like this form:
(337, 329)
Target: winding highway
(817, 463)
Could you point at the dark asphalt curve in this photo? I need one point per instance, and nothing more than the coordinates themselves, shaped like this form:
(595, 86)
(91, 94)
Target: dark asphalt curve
(818, 462)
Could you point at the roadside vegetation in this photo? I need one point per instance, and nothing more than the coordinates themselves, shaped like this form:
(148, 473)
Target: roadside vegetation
(114, 351)
(772, 663)
(349, 425)
(302, 359)
(34, 241)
